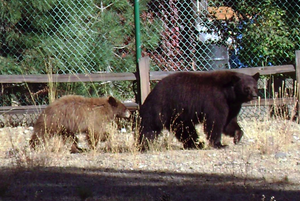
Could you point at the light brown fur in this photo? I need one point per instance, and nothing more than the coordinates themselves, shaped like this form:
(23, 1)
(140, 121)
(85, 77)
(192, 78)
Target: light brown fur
(74, 114)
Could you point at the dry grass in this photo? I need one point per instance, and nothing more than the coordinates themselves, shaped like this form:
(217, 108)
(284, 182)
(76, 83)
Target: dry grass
(271, 136)
(267, 137)
(262, 140)
(119, 152)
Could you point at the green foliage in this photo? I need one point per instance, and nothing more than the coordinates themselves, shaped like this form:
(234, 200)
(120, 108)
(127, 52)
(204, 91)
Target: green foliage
(85, 36)
(20, 24)
(8, 65)
(260, 31)
(79, 36)
(268, 37)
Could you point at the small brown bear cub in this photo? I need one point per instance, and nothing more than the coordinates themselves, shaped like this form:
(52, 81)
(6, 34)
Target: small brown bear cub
(72, 114)
(182, 100)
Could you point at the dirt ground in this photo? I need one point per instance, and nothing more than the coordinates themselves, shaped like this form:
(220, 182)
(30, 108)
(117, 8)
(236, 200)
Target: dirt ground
(249, 171)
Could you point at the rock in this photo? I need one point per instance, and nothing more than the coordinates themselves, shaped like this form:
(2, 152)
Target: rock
(280, 155)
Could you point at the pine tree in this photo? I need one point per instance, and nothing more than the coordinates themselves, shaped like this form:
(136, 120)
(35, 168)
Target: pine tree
(71, 36)
(82, 36)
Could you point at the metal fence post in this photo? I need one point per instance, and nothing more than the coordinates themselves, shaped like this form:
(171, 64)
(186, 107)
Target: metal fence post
(298, 77)
(137, 30)
(137, 49)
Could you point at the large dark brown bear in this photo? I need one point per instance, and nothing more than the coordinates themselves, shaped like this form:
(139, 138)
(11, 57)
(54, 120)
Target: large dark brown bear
(181, 100)
(72, 114)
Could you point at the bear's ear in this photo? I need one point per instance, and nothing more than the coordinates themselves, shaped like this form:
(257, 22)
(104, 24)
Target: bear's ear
(112, 101)
(256, 76)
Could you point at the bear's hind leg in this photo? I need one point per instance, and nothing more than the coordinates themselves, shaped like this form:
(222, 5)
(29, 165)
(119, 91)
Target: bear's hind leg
(187, 134)
(37, 138)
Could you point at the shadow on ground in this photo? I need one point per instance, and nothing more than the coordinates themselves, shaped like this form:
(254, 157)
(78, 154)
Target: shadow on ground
(109, 184)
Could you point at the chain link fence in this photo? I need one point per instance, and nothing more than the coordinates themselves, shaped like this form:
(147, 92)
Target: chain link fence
(51, 36)
(66, 37)
(91, 36)
(87, 36)
(201, 35)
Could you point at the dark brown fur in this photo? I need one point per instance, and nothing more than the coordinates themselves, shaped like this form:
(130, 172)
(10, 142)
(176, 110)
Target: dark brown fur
(73, 114)
(182, 100)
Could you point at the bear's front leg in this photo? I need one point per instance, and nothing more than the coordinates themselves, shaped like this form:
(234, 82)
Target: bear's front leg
(146, 138)
(217, 143)
(234, 130)
(238, 136)
(213, 130)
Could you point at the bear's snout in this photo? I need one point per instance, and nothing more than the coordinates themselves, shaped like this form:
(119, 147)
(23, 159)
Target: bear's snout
(126, 114)
(254, 95)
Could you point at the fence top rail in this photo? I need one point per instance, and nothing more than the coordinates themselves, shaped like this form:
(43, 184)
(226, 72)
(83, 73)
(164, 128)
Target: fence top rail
(266, 70)
(46, 78)
(39, 108)
(100, 77)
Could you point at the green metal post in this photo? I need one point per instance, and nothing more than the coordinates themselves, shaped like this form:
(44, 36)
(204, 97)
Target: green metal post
(137, 30)
(138, 49)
